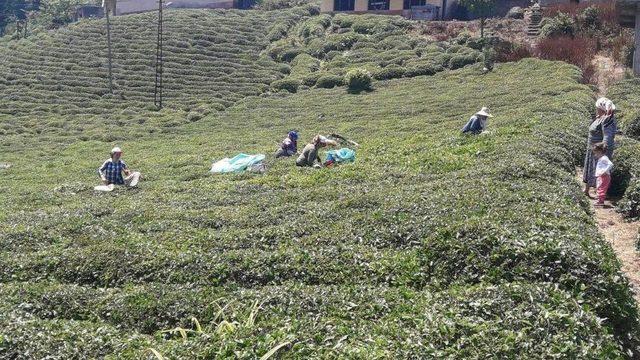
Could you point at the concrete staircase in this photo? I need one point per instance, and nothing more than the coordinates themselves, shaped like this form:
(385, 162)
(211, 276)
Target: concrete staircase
(533, 29)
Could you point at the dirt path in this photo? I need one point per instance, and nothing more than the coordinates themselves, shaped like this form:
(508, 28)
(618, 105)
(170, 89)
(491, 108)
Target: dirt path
(606, 72)
(622, 237)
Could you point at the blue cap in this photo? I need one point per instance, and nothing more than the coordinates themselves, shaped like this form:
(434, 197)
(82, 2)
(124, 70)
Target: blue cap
(293, 135)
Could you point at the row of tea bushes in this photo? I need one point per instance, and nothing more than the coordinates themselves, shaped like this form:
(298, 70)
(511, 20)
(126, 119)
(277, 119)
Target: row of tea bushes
(384, 46)
(211, 61)
(535, 321)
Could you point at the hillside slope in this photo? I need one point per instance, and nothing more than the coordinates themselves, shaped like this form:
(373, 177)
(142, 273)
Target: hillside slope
(55, 85)
(212, 59)
(431, 245)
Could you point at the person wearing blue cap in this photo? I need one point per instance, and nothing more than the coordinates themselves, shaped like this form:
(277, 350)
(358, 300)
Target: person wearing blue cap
(289, 146)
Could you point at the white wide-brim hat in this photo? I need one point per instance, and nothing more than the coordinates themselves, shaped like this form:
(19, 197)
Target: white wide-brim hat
(484, 112)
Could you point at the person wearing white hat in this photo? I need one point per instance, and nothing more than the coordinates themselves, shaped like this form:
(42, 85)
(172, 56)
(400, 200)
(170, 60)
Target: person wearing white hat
(112, 169)
(602, 129)
(478, 122)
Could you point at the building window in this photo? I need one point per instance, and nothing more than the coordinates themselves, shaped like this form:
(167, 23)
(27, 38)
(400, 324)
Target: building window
(409, 3)
(344, 5)
(378, 4)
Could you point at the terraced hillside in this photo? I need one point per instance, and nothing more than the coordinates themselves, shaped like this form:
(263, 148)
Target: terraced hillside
(431, 245)
(212, 60)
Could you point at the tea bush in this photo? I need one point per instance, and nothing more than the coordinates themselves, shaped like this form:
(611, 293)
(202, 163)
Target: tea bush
(290, 85)
(560, 25)
(358, 79)
(329, 81)
(371, 42)
(459, 61)
(392, 71)
(627, 99)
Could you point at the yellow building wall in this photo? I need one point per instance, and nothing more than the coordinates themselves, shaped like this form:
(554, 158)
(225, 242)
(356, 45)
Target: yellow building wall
(326, 6)
(361, 5)
(396, 4)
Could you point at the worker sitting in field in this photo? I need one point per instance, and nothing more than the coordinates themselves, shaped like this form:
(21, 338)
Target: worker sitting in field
(478, 122)
(310, 153)
(112, 169)
(289, 146)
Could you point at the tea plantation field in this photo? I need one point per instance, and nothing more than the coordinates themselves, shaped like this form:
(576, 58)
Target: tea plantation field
(209, 55)
(431, 245)
(212, 60)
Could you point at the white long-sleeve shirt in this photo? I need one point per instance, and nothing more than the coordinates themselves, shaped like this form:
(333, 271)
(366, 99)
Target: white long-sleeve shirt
(603, 166)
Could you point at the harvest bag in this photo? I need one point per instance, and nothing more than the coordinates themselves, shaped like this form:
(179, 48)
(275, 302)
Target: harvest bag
(342, 155)
(238, 163)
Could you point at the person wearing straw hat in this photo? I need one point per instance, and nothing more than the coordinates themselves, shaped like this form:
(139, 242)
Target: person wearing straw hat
(478, 122)
(602, 129)
(112, 169)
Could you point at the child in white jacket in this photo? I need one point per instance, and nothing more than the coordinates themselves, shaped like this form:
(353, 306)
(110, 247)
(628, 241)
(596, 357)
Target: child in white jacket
(603, 171)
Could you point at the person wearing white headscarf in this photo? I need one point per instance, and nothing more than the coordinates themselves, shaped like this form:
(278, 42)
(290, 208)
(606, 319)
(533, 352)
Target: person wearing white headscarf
(602, 129)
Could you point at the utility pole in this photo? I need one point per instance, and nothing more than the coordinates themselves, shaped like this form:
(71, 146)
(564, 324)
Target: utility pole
(107, 6)
(109, 51)
(158, 88)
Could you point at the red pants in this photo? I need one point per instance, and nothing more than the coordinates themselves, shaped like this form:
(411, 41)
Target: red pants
(602, 185)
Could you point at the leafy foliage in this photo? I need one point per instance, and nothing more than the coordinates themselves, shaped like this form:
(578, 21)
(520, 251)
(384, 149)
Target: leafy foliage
(358, 79)
(383, 45)
(560, 25)
(480, 8)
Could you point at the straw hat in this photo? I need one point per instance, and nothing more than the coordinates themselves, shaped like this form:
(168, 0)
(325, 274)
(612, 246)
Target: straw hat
(484, 112)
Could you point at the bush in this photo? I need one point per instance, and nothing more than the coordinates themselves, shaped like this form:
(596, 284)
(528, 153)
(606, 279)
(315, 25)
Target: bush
(390, 72)
(193, 116)
(478, 43)
(279, 48)
(489, 57)
(575, 50)
(344, 20)
(310, 79)
(278, 31)
(329, 81)
(590, 18)
(629, 205)
(507, 51)
(315, 26)
(631, 123)
(288, 84)
(358, 79)
(422, 69)
(459, 61)
(304, 64)
(625, 165)
(561, 25)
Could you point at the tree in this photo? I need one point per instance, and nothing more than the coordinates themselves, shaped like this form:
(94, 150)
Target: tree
(480, 8)
(16, 11)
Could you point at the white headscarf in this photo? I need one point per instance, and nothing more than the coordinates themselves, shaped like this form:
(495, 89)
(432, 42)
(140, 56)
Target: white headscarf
(605, 105)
